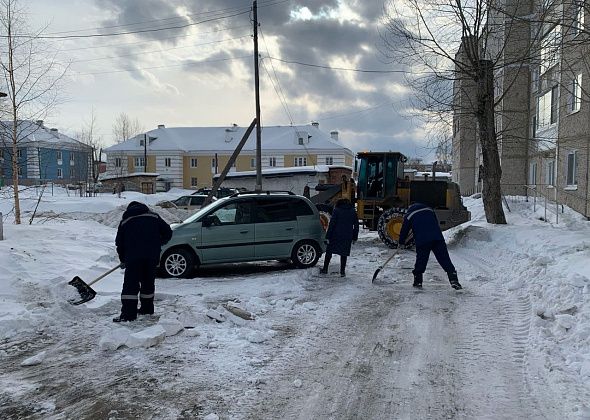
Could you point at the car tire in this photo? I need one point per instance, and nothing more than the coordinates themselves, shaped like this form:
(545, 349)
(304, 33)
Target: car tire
(305, 254)
(178, 263)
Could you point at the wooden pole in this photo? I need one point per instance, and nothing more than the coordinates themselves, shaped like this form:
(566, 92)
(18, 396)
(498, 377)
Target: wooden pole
(257, 89)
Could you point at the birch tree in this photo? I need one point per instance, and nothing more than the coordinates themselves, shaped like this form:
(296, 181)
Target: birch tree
(31, 78)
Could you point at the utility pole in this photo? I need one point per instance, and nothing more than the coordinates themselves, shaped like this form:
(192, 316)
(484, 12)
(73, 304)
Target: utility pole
(257, 88)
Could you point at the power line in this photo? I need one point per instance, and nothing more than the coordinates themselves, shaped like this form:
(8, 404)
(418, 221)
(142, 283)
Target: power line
(119, 44)
(159, 51)
(338, 68)
(128, 32)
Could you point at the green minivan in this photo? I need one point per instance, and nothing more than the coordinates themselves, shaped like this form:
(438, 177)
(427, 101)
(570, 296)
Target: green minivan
(249, 226)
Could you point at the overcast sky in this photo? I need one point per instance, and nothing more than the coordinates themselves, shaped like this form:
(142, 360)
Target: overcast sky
(201, 73)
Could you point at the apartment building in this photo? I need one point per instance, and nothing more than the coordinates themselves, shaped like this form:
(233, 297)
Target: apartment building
(189, 157)
(543, 111)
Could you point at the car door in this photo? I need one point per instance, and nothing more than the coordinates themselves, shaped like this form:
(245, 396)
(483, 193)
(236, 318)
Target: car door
(231, 237)
(276, 227)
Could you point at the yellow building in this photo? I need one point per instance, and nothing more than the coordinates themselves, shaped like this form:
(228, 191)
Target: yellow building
(189, 157)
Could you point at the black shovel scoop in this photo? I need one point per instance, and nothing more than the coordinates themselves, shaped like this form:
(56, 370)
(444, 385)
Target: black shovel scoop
(87, 293)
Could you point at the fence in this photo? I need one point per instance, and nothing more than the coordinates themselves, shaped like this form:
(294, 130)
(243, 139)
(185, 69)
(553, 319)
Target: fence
(541, 195)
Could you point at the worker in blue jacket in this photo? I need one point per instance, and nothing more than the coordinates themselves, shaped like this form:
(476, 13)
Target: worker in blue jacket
(423, 222)
(140, 237)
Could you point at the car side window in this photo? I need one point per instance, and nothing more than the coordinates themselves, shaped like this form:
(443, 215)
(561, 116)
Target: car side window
(182, 201)
(236, 213)
(270, 210)
(301, 208)
(197, 201)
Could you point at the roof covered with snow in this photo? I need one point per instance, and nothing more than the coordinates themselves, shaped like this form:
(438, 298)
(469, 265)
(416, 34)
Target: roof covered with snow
(189, 139)
(285, 171)
(37, 133)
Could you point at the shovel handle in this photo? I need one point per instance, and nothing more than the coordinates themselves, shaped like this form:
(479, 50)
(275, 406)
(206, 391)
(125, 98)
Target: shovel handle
(104, 275)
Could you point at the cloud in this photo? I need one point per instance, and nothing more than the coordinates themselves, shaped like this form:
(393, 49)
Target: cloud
(333, 33)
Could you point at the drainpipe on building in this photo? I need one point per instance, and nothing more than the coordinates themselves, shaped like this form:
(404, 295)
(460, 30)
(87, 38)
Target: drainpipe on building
(587, 178)
(145, 137)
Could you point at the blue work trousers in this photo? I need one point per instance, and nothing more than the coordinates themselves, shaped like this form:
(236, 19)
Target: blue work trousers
(439, 249)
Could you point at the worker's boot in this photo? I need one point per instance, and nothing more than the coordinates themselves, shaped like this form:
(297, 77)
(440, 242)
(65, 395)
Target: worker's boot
(417, 280)
(454, 280)
(147, 306)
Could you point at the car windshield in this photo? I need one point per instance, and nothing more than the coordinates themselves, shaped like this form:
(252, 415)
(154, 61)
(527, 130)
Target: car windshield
(204, 210)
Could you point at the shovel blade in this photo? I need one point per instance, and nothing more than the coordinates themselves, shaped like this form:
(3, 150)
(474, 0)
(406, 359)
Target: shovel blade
(375, 274)
(86, 292)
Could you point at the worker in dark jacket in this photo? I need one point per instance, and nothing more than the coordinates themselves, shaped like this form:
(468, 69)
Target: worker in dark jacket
(140, 237)
(342, 231)
(423, 222)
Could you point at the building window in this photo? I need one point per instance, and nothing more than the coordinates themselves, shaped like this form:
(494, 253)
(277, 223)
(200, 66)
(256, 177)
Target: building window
(579, 18)
(141, 142)
(329, 160)
(300, 161)
(59, 173)
(139, 162)
(547, 108)
(167, 162)
(575, 94)
(213, 163)
(272, 162)
(533, 174)
(300, 141)
(20, 171)
(71, 172)
(252, 162)
(535, 79)
(117, 162)
(19, 153)
(550, 49)
(1, 154)
(193, 181)
(72, 159)
(550, 172)
(193, 162)
(59, 157)
(572, 169)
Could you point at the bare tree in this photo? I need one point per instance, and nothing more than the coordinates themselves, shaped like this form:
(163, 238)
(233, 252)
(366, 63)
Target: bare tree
(125, 127)
(481, 47)
(88, 136)
(31, 78)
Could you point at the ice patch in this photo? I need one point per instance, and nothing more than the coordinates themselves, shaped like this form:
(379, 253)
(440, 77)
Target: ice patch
(171, 326)
(114, 339)
(34, 360)
(211, 416)
(151, 336)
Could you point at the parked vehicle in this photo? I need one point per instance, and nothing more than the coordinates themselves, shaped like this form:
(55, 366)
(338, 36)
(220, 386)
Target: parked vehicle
(186, 202)
(246, 227)
(220, 193)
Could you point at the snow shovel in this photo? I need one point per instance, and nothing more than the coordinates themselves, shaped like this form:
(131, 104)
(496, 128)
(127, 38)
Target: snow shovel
(86, 292)
(383, 265)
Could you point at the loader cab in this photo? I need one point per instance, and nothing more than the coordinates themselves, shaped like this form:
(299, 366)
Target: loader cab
(378, 174)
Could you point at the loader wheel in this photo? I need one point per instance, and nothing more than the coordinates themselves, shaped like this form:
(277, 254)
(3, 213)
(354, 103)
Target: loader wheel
(390, 225)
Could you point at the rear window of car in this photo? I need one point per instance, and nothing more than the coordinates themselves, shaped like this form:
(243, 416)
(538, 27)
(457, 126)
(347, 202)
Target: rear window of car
(197, 201)
(301, 208)
(270, 210)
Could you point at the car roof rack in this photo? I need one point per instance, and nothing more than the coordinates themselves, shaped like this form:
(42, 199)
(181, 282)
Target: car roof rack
(268, 192)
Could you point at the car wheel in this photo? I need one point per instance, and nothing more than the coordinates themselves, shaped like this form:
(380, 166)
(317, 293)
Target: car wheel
(178, 263)
(305, 254)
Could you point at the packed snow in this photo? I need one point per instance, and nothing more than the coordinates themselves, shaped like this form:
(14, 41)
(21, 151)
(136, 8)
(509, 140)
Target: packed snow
(262, 340)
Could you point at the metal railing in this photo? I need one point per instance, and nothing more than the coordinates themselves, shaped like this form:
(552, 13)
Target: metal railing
(541, 195)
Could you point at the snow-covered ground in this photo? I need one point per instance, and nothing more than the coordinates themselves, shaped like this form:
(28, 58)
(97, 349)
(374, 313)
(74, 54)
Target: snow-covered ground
(514, 344)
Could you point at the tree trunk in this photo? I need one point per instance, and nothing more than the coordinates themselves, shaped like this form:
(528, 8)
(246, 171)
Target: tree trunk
(492, 171)
(13, 92)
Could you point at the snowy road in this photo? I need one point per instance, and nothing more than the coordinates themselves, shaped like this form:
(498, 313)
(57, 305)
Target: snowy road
(367, 351)
(405, 354)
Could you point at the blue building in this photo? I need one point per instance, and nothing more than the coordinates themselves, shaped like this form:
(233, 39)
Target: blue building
(44, 154)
